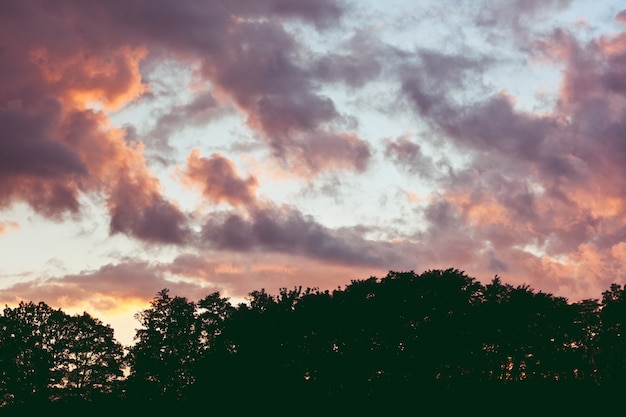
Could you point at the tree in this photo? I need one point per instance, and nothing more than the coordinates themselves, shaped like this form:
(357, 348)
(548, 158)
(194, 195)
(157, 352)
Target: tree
(46, 354)
(213, 312)
(527, 335)
(27, 360)
(87, 358)
(168, 344)
(585, 339)
(611, 358)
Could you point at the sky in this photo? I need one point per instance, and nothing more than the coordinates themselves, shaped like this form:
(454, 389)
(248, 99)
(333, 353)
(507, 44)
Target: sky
(207, 146)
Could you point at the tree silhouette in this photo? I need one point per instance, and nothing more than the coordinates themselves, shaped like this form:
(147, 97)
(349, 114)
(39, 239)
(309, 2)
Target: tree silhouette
(26, 356)
(87, 358)
(166, 348)
(403, 339)
(528, 336)
(611, 358)
(49, 355)
(585, 334)
(213, 312)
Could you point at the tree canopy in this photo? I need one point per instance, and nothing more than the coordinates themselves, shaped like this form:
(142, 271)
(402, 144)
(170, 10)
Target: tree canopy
(46, 354)
(405, 335)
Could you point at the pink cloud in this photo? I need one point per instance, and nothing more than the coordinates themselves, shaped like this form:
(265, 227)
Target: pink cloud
(547, 181)
(408, 155)
(55, 147)
(621, 17)
(218, 179)
(73, 56)
(107, 289)
(237, 275)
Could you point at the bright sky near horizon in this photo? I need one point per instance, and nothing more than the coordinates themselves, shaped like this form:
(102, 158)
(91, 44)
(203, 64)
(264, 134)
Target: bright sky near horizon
(231, 146)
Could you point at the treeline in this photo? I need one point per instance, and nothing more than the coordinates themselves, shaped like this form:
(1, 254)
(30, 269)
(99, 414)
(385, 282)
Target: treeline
(398, 338)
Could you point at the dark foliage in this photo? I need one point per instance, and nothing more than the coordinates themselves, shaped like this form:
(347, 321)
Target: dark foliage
(47, 355)
(405, 340)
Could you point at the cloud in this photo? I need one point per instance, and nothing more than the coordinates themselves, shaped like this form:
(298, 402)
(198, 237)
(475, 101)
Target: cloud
(358, 65)
(34, 166)
(431, 81)
(8, 225)
(146, 215)
(236, 275)
(526, 193)
(321, 150)
(517, 19)
(218, 179)
(283, 229)
(322, 13)
(118, 170)
(28, 148)
(106, 289)
(621, 17)
(201, 110)
(408, 155)
(77, 57)
(535, 198)
(261, 68)
(55, 147)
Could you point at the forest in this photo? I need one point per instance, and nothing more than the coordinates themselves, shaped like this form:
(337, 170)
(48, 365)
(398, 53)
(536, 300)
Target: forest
(377, 343)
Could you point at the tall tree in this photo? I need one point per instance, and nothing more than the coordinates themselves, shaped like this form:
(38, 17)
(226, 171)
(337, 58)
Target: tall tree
(167, 346)
(612, 339)
(585, 339)
(213, 312)
(26, 359)
(87, 359)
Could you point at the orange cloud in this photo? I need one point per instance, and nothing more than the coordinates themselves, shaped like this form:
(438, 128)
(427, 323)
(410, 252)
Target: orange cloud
(479, 209)
(114, 293)
(108, 289)
(55, 146)
(218, 179)
(6, 226)
(83, 78)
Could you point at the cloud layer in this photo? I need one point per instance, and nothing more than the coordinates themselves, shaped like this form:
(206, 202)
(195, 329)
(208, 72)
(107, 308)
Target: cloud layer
(521, 184)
